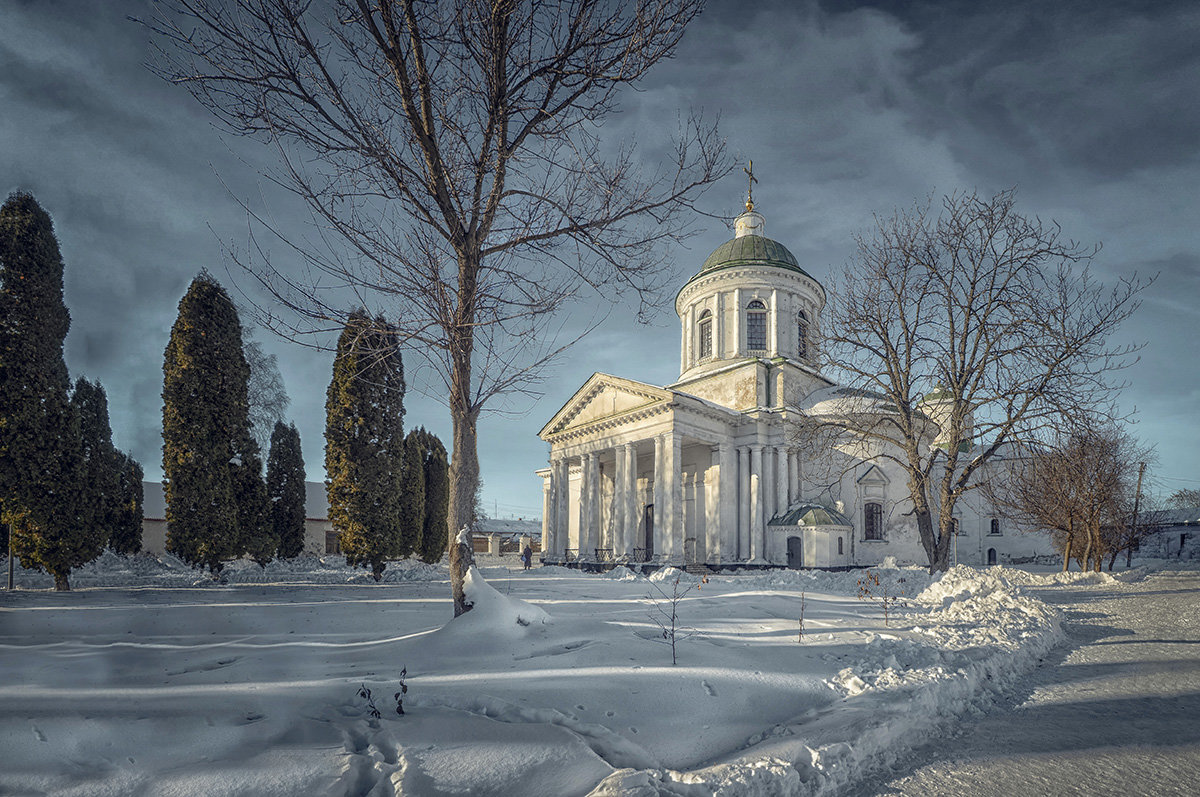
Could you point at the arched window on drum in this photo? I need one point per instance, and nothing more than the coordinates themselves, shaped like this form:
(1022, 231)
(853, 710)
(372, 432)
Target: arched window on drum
(756, 326)
(802, 334)
(704, 331)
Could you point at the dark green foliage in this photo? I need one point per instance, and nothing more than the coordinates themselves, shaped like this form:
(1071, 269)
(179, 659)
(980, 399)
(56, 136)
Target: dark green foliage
(435, 534)
(364, 440)
(216, 499)
(98, 491)
(127, 521)
(40, 450)
(412, 495)
(285, 490)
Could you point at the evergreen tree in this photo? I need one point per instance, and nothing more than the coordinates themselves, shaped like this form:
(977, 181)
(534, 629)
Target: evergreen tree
(127, 521)
(412, 494)
(40, 449)
(364, 440)
(98, 492)
(435, 535)
(216, 499)
(285, 490)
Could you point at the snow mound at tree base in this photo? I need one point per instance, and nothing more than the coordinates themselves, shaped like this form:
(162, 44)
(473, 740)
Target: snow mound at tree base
(495, 614)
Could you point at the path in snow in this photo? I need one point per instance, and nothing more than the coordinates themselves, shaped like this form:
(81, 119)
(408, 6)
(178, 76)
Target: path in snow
(1116, 712)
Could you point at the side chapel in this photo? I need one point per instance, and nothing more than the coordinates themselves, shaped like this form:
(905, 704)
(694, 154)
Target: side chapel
(707, 470)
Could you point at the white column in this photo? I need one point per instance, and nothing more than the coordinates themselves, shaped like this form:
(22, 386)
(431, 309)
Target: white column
(675, 530)
(690, 336)
(719, 328)
(793, 476)
(712, 508)
(684, 334)
(744, 515)
(618, 501)
(766, 485)
(596, 535)
(781, 480)
(727, 496)
(562, 508)
(773, 328)
(585, 503)
(632, 504)
(547, 504)
(738, 349)
(756, 502)
(660, 495)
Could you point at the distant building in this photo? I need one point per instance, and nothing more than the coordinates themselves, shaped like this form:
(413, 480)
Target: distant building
(1176, 534)
(319, 536)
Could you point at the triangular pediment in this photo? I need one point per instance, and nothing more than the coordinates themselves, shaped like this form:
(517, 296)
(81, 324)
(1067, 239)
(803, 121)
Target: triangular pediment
(604, 398)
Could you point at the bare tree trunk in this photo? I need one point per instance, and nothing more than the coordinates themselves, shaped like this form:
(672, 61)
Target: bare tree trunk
(464, 479)
(1086, 564)
(60, 582)
(1069, 544)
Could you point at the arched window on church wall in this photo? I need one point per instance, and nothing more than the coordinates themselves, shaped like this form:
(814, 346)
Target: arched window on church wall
(802, 334)
(704, 328)
(756, 326)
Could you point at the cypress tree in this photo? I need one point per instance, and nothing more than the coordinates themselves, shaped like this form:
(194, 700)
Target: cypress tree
(364, 441)
(412, 494)
(285, 490)
(435, 534)
(40, 448)
(127, 520)
(216, 499)
(98, 491)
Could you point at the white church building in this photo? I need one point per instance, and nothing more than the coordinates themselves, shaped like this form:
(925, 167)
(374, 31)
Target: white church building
(708, 469)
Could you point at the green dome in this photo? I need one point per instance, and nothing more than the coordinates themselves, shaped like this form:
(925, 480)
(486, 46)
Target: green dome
(751, 250)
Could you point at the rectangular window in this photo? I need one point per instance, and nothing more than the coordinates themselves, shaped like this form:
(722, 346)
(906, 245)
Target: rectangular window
(873, 522)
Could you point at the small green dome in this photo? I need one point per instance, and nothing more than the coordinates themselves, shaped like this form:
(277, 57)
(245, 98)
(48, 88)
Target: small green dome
(751, 250)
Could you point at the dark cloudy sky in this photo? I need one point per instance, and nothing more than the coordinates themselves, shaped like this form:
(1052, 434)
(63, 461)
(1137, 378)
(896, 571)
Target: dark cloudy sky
(1090, 109)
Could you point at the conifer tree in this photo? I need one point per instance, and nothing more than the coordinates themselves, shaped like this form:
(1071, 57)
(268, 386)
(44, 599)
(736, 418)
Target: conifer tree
(435, 535)
(216, 499)
(40, 449)
(412, 494)
(127, 521)
(364, 440)
(98, 491)
(285, 490)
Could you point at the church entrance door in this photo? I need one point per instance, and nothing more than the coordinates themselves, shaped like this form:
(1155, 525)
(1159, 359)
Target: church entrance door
(795, 553)
(991, 556)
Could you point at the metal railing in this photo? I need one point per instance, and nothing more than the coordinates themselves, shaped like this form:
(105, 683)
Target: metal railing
(640, 555)
(604, 554)
(571, 554)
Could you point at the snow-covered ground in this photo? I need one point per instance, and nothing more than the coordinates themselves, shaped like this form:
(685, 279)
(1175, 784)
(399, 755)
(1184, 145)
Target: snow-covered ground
(1115, 711)
(151, 679)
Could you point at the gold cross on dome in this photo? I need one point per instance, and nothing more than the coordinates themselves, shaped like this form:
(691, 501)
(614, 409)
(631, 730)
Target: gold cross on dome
(750, 192)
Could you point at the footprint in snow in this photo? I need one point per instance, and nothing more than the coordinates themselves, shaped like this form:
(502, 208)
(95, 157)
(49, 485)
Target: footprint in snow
(41, 737)
(709, 688)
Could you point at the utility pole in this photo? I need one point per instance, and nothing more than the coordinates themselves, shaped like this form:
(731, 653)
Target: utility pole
(1137, 499)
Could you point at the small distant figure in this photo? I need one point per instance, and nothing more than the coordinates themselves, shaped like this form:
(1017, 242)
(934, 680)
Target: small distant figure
(527, 555)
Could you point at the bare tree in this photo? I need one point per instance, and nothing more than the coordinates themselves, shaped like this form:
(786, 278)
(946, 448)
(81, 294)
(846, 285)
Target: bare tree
(1081, 487)
(450, 155)
(958, 333)
(1185, 499)
(268, 397)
